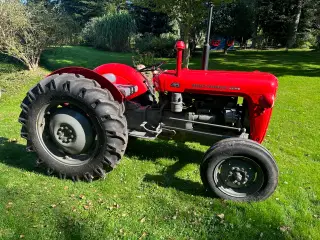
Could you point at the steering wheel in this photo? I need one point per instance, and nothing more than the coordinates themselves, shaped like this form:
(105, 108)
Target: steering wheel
(152, 67)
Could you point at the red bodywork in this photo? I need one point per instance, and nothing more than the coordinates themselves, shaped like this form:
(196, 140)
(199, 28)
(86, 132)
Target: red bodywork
(257, 88)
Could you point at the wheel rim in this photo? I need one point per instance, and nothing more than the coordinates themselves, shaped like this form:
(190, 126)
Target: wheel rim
(67, 133)
(238, 176)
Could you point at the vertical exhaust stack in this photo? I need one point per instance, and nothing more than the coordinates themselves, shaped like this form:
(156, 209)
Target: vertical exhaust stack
(180, 46)
(206, 48)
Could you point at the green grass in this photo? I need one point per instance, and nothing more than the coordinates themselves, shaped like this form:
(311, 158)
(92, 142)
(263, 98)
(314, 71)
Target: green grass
(156, 192)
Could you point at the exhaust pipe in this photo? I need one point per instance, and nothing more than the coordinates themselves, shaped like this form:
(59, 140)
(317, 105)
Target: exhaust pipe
(206, 48)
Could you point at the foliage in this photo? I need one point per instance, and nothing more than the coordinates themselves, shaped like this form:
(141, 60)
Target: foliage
(25, 31)
(148, 21)
(146, 59)
(156, 191)
(82, 10)
(162, 46)
(188, 14)
(110, 32)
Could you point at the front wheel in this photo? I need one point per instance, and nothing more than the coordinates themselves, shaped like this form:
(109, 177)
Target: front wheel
(240, 170)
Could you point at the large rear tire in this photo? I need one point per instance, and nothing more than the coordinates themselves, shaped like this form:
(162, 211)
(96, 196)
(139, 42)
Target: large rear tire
(240, 170)
(76, 128)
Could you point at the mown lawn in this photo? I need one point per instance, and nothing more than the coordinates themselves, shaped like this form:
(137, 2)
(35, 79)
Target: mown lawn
(156, 192)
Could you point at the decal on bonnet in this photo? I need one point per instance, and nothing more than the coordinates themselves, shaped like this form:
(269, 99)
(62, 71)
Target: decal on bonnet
(175, 85)
(215, 87)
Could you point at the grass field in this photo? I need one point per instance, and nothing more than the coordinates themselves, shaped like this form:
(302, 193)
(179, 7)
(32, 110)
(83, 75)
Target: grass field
(156, 192)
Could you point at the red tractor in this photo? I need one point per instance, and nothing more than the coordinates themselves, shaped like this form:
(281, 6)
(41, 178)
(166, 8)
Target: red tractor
(78, 121)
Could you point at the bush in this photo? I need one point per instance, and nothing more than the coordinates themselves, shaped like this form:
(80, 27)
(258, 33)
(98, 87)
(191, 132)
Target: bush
(110, 32)
(146, 59)
(162, 46)
(26, 30)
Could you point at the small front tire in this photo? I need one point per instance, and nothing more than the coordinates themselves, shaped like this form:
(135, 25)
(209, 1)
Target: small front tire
(240, 170)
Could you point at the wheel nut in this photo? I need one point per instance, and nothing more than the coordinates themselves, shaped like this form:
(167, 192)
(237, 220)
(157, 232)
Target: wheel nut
(66, 128)
(238, 183)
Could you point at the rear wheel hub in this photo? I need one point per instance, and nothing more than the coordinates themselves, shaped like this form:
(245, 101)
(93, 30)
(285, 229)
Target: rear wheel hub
(71, 131)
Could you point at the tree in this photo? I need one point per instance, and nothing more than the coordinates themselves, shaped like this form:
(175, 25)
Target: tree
(187, 13)
(284, 21)
(26, 30)
(148, 21)
(294, 23)
(83, 10)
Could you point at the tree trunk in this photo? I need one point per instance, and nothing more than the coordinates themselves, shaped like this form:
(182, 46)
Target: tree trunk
(293, 28)
(186, 54)
(185, 34)
(225, 49)
(255, 34)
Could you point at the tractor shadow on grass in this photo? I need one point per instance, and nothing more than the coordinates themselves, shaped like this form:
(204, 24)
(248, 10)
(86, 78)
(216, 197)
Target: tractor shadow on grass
(15, 155)
(177, 152)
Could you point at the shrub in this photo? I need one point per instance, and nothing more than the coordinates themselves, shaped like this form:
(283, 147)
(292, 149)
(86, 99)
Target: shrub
(146, 59)
(162, 46)
(26, 30)
(110, 32)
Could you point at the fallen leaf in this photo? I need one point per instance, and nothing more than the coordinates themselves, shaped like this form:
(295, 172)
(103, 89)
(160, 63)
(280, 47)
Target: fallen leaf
(22, 236)
(115, 205)
(53, 206)
(144, 234)
(9, 204)
(66, 188)
(284, 228)
(174, 217)
(86, 207)
(142, 220)
(12, 140)
(221, 216)
(81, 196)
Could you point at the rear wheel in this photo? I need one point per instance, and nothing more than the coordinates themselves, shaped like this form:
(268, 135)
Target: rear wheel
(75, 127)
(239, 169)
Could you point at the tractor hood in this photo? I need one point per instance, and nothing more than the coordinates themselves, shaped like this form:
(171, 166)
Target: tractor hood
(232, 82)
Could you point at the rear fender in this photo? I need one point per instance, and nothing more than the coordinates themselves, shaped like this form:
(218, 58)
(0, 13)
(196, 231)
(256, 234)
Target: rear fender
(123, 74)
(87, 73)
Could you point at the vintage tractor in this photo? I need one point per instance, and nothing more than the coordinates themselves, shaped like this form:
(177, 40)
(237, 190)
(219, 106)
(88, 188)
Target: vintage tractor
(78, 121)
